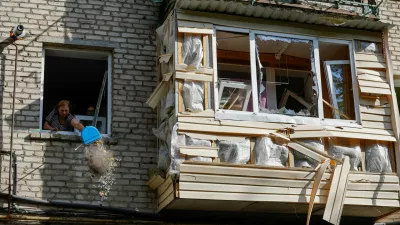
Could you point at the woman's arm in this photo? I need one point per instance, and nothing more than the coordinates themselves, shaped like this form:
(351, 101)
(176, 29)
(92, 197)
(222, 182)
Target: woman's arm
(48, 127)
(75, 123)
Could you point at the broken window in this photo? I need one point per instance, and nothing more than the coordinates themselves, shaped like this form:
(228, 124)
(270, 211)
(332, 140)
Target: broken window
(234, 74)
(368, 47)
(284, 77)
(336, 81)
(77, 76)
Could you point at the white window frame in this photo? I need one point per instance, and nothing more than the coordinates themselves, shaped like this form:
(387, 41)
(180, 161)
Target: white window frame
(256, 115)
(109, 86)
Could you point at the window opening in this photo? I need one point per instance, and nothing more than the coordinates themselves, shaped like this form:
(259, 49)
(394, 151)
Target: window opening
(337, 84)
(234, 74)
(285, 81)
(76, 76)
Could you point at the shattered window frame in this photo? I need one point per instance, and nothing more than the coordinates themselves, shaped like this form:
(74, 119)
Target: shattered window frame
(315, 69)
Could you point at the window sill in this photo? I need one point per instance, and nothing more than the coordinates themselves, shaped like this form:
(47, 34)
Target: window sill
(280, 118)
(64, 136)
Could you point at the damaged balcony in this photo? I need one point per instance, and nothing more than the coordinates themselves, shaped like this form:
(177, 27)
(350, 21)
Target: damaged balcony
(261, 117)
(360, 14)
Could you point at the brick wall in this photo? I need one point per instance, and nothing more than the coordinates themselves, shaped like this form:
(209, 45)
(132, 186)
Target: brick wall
(390, 13)
(51, 169)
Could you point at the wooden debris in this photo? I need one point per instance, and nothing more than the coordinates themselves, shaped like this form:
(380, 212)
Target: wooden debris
(317, 181)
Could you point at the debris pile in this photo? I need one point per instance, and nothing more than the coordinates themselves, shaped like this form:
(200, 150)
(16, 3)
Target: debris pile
(102, 166)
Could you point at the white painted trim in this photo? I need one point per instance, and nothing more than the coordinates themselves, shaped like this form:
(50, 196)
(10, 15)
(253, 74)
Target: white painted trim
(294, 36)
(337, 62)
(345, 42)
(265, 117)
(253, 72)
(341, 123)
(109, 93)
(354, 80)
(215, 67)
(42, 90)
(331, 87)
(317, 71)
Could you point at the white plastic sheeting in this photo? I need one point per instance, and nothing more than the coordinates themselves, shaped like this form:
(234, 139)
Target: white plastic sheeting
(234, 152)
(176, 141)
(377, 157)
(275, 38)
(192, 50)
(352, 151)
(193, 95)
(301, 160)
(199, 143)
(268, 153)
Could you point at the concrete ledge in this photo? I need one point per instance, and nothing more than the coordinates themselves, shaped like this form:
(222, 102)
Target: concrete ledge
(73, 138)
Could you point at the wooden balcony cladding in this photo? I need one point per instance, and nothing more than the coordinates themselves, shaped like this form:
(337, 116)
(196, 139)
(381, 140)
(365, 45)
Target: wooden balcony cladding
(217, 182)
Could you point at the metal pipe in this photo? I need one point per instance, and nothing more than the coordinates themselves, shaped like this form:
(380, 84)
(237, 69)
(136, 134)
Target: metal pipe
(76, 219)
(57, 203)
(12, 130)
(15, 173)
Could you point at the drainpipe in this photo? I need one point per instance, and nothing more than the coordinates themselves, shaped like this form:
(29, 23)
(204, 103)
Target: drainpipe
(12, 131)
(15, 172)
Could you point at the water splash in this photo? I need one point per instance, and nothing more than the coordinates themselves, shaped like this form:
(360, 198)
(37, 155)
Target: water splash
(102, 165)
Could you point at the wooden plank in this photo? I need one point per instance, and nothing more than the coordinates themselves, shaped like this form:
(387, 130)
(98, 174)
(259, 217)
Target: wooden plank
(372, 202)
(184, 23)
(179, 43)
(220, 179)
(213, 137)
(307, 152)
(373, 78)
(363, 136)
(369, 57)
(371, 72)
(316, 151)
(317, 181)
(195, 30)
(252, 143)
(222, 129)
(250, 172)
(340, 192)
(167, 76)
(377, 102)
(209, 113)
(160, 91)
(166, 202)
(155, 182)
(193, 76)
(180, 96)
(371, 65)
(207, 98)
(311, 134)
(375, 118)
(373, 90)
(365, 83)
(332, 193)
(203, 152)
(373, 186)
(361, 130)
(392, 157)
(291, 158)
(373, 194)
(166, 193)
(161, 189)
(164, 58)
(249, 197)
(199, 120)
(373, 178)
(230, 188)
(377, 111)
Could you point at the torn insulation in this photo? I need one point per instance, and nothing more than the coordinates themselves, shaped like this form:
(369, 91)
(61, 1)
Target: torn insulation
(267, 153)
(234, 152)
